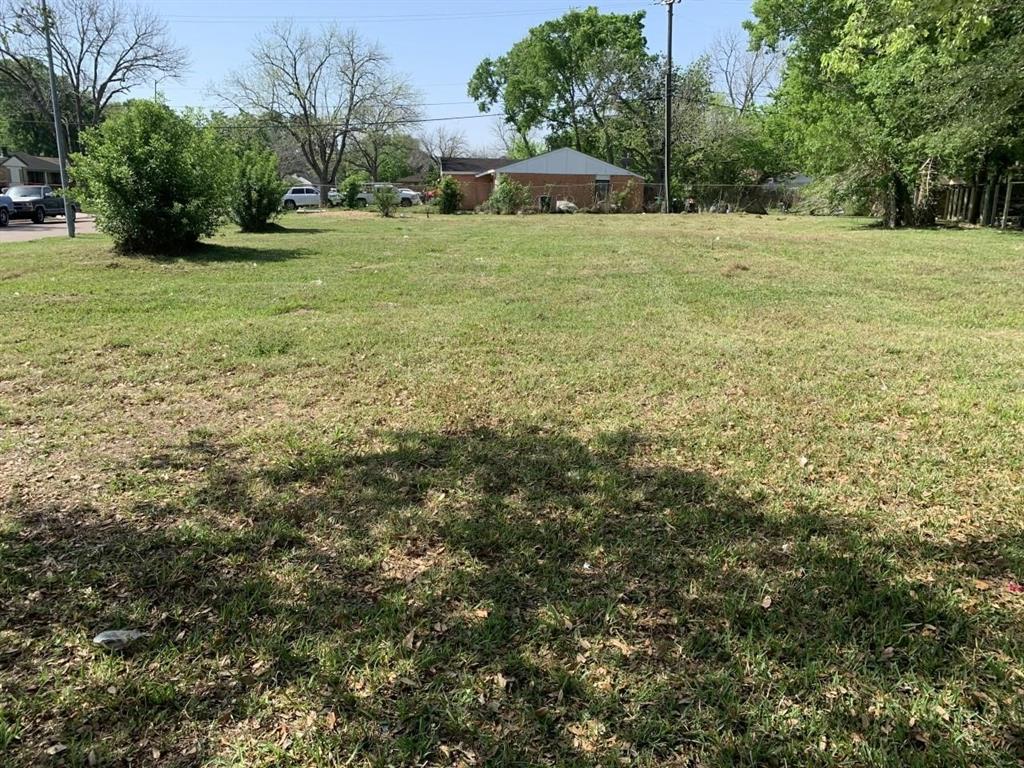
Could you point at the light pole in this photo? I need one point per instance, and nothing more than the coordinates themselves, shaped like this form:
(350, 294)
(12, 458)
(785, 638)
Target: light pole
(62, 152)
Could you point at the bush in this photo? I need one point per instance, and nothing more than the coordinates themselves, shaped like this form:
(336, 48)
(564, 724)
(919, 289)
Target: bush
(386, 200)
(509, 197)
(449, 195)
(156, 180)
(256, 189)
(351, 187)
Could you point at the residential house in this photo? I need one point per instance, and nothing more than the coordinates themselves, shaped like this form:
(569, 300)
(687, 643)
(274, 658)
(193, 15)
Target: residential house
(471, 173)
(563, 174)
(23, 168)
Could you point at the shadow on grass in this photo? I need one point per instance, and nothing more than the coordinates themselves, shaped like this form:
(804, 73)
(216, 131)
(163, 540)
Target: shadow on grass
(491, 597)
(212, 253)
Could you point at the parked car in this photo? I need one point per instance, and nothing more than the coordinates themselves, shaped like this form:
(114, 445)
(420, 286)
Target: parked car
(36, 202)
(6, 209)
(405, 197)
(300, 197)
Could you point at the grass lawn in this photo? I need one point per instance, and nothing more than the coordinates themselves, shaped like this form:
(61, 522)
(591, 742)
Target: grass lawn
(574, 491)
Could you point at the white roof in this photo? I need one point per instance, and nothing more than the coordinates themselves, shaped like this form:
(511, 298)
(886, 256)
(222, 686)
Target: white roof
(566, 162)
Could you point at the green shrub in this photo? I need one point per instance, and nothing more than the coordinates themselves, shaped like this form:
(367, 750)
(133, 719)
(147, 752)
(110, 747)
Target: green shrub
(386, 200)
(509, 197)
(449, 195)
(256, 189)
(157, 181)
(351, 187)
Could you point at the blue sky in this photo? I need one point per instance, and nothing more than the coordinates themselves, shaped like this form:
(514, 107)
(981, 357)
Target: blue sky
(436, 43)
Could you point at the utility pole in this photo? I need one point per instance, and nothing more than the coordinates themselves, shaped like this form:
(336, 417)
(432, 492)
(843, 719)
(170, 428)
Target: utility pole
(666, 204)
(62, 152)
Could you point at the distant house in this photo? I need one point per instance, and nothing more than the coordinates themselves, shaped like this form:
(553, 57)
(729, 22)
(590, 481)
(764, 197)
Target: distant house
(564, 174)
(470, 173)
(23, 168)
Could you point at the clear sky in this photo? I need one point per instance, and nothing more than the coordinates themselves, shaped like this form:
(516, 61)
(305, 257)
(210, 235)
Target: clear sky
(437, 43)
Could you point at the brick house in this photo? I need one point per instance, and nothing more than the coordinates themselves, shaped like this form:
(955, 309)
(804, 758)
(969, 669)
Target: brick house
(23, 168)
(471, 173)
(563, 174)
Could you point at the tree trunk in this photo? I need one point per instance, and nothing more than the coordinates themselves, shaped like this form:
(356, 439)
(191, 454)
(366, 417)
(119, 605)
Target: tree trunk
(972, 205)
(900, 203)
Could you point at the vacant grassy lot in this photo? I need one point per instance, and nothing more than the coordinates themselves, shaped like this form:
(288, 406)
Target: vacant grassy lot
(690, 491)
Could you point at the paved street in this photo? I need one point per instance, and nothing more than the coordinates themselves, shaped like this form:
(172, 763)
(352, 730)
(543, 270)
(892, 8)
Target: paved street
(21, 230)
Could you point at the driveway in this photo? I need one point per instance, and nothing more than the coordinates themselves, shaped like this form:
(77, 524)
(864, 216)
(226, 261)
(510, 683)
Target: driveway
(21, 230)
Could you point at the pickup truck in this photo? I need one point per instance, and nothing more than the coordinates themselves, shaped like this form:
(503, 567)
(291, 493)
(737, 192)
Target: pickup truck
(6, 209)
(35, 202)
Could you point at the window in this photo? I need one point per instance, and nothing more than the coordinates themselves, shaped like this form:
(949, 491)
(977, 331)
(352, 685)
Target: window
(601, 189)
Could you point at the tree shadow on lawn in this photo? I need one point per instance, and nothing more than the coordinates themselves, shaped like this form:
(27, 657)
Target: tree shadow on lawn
(212, 253)
(481, 596)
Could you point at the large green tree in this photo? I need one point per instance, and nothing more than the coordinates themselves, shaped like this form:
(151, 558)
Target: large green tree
(573, 75)
(875, 90)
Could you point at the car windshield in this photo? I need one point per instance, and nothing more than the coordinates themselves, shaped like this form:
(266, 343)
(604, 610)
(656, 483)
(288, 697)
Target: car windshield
(25, 192)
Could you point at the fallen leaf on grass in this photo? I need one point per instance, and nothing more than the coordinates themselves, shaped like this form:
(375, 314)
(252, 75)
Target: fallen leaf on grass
(888, 653)
(410, 640)
(331, 720)
(981, 584)
(767, 602)
(803, 461)
(1014, 588)
(56, 749)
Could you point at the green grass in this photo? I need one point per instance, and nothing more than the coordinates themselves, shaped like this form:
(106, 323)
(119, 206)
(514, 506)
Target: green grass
(575, 491)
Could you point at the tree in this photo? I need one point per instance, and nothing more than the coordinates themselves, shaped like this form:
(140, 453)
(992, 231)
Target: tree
(512, 144)
(102, 49)
(321, 88)
(256, 188)
(572, 75)
(158, 181)
(875, 90)
(442, 142)
(21, 125)
(384, 137)
(746, 76)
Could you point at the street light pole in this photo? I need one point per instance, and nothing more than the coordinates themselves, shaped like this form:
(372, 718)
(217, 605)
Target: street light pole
(62, 153)
(666, 205)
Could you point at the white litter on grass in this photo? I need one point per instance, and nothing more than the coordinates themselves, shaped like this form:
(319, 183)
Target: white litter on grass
(117, 639)
(317, 282)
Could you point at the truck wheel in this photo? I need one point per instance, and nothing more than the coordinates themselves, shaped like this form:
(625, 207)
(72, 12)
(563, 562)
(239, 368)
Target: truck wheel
(406, 202)
(38, 215)
(289, 205)
(360, 203)
(4, 217)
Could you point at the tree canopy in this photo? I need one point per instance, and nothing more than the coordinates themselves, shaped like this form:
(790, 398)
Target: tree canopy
(876, 89)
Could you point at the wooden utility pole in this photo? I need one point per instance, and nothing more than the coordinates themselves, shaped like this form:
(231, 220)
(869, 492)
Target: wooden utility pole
(62, 152)
(666, 204)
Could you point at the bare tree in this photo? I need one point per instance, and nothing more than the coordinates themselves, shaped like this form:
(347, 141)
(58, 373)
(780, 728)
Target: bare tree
(745, 76)
(509, 142)
(322, 88)
(443, 142)
(102, 50)
(395, 113)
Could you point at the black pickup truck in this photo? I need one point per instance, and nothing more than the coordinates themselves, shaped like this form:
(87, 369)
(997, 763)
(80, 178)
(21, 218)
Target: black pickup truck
(36, 202)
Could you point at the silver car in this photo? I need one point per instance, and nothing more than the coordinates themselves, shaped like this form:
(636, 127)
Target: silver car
(6, 209)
